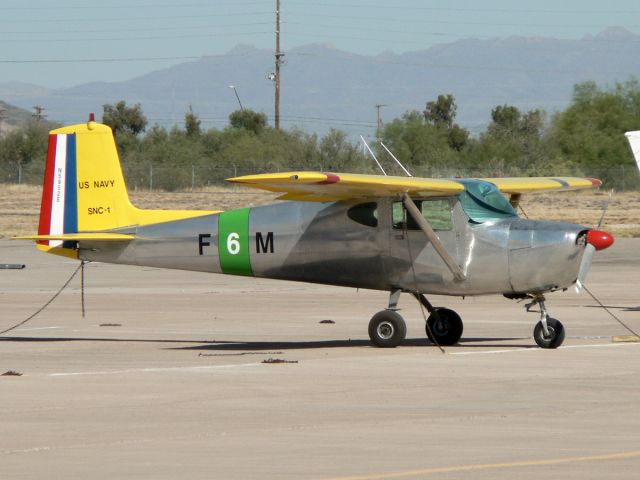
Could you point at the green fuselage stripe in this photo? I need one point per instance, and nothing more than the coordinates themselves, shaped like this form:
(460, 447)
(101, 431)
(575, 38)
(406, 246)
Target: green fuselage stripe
(233, 242)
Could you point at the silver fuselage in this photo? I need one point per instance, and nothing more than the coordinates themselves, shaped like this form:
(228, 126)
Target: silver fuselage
(320, 243)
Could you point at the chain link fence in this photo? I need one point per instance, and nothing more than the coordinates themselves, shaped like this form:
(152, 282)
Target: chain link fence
(193, 177)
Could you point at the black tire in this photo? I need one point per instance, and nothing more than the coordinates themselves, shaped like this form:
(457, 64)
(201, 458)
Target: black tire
(387, 329)
(444, 327)
(556, 334)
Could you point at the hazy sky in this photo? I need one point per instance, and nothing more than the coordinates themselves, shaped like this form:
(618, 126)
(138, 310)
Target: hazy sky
(72, 41)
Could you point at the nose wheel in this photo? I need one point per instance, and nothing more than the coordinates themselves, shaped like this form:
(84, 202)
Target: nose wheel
(387, 329)
(548, 332)
(554, 335)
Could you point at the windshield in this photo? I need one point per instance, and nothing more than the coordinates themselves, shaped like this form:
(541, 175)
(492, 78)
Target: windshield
(483, 202)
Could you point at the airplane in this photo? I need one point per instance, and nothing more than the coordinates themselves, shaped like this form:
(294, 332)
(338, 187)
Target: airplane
(422, 236)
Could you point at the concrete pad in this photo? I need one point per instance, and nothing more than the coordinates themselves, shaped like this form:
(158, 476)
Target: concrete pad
(173, 384)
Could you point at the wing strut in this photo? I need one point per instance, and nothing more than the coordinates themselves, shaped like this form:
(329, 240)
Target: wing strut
(373, 155)
(396, 159)
(433, 237)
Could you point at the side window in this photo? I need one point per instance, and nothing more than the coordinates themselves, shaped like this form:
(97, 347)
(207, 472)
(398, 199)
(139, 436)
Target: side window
(364, 214)
(437, 212)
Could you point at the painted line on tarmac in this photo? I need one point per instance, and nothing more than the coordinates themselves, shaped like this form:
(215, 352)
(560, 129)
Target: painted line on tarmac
(494, 466)
(195, 368)
(534, 349)
(35, 328)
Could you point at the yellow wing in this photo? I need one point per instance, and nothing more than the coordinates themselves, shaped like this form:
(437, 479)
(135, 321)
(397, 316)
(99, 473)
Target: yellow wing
(328, 187)
(542, 184)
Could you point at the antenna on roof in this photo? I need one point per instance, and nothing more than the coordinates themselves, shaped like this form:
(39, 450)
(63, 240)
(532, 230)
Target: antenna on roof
(373, 155)
(397, 161)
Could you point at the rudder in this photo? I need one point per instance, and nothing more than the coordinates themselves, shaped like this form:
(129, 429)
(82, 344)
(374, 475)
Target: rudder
(84, 188)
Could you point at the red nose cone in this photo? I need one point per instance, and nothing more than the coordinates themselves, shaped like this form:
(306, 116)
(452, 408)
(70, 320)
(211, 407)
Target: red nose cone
(600, 240)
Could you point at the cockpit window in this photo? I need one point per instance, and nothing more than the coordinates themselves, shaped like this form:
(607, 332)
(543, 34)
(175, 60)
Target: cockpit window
(483, 202)
(365, 214)
(436, 211)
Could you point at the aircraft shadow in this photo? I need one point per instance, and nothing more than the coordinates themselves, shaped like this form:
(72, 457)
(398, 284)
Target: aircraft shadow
(234, 346)
(614, 307)
(89, 339)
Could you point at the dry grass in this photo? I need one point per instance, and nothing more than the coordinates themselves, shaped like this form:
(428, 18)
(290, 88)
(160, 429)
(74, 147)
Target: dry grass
(20, 205)
(622, 217)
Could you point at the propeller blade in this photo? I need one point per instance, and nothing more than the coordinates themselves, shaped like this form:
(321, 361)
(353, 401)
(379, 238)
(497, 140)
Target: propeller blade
(604, 210)
(595, 240)
(587, 258)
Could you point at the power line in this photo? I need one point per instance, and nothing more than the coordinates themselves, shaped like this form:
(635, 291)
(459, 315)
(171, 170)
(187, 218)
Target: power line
(464, 66)
(145, 18)
(151, 29)
(369, 6)
(103, 60)
(129, 5)
(460, 22)
(126, 39)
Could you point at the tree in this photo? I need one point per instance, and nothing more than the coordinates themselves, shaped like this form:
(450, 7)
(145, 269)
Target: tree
(249, 120)
(25, 146)
(505, 120)
(420, 145)
(123, 119)
(337, 153)
(192, 123)
(442, 114)
(590, 132)
(513, 143)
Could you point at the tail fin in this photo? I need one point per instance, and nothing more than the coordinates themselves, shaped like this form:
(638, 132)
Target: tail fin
(634, 141)
(84, 189)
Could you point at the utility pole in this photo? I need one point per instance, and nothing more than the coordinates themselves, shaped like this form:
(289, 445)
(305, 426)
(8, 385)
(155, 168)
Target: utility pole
(379, 120)
(2, 117)
(39, 116)
(279, 56)
(233, 87)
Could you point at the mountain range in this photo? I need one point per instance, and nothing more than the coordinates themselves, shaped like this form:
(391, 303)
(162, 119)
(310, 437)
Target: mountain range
(323, 87)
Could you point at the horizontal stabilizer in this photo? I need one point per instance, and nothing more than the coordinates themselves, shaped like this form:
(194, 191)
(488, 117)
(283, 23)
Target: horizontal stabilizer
(78, 237)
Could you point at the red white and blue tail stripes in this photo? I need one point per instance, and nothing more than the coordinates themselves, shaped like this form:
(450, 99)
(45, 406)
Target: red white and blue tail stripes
(59, 210)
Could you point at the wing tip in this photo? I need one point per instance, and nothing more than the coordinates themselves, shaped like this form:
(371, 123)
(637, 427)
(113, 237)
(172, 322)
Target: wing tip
(595, 182)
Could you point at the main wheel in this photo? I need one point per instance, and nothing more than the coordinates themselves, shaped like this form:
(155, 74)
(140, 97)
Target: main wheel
(555, 337)
(387, 329)
(444, 327)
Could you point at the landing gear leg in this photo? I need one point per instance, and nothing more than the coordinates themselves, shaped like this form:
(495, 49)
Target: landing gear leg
(444, 326)
(387, 328)
(548, 332)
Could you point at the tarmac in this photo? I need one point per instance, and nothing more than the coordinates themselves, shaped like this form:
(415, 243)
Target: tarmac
(187, 375)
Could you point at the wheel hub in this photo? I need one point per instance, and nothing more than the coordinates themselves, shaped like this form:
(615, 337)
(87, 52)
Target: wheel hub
(385, 330)
(552, 333)
(441, 327)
